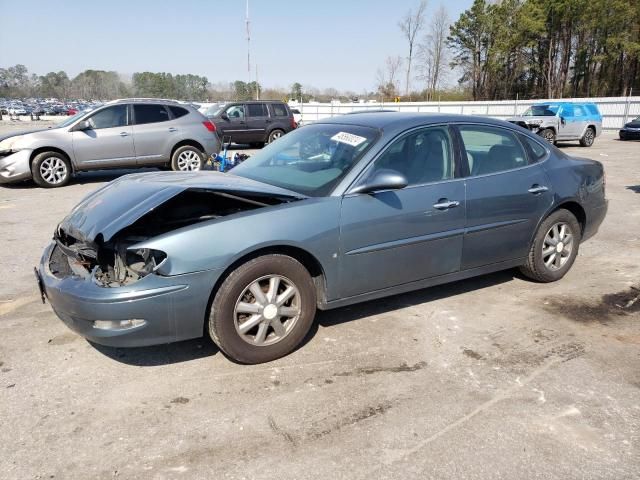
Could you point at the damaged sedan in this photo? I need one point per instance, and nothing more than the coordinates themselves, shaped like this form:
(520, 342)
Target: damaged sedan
(342, 211)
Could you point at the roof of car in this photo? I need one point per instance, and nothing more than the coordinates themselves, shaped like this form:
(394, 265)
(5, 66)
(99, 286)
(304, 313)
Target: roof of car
(406, 119)
(146, 100)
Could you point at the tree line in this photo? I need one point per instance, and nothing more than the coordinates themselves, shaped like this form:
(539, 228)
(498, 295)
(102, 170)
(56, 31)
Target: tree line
(17, 82)
(525, 48)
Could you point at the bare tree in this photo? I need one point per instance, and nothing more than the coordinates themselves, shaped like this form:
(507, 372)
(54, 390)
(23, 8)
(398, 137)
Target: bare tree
(432, 52)
(411, 25)
(387, 78)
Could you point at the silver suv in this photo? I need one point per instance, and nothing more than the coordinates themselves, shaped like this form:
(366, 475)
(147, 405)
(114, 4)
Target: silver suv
(121, 134)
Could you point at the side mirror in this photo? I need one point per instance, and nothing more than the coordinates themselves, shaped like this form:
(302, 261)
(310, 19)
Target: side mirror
(224, 116)
(382, 180)
(562, 120)
(83, 125)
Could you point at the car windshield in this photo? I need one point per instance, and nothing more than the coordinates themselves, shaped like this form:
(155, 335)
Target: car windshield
(311, 160)
(72, 119)
(541, 111)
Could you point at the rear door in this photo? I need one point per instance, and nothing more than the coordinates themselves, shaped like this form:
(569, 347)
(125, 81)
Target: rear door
(153, 133)
(507, 194)
(257, 121)
(395, 237)
(109, 142)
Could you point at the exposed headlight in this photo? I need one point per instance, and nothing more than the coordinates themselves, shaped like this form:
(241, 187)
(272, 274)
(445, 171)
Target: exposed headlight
(9, 144)
(535, 123)
(118, 324)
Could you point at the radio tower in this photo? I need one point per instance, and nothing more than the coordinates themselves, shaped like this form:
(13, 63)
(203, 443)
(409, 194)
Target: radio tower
(248, 43)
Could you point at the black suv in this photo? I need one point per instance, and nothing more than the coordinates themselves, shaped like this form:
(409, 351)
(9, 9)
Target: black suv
(253, 122)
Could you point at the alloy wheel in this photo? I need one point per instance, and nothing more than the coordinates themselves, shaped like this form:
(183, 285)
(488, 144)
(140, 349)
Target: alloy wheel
(188, 161)
(53, 170)
(557, 246)
(267, 310)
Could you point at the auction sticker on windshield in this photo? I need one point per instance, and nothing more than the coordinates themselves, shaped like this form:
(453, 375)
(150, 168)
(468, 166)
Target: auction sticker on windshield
(348, 138)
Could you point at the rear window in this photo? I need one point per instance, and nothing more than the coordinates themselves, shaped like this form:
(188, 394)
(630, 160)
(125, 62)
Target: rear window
(279, 110)
(150, 114)
(593, 110)
(257, 110)
(536, 151)
(178, 111)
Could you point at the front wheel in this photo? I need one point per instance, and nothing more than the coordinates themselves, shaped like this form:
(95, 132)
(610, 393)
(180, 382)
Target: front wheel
(554, 248)
(588, 137)
(263, 309)
(51, 169)
(274, 135)
(549, 135)
(186, 159)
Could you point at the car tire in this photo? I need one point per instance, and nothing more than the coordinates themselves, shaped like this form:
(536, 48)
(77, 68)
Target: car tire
(622, 136)
(274, 135)
(554, 248)
(51, 170)
(235, 305)
(588, 137)
(187, 159)
(549, 135)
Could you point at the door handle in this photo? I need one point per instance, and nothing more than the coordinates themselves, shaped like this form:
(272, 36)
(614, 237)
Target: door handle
(444, 204)
(173, 129)
(535, 189)
(124, 134)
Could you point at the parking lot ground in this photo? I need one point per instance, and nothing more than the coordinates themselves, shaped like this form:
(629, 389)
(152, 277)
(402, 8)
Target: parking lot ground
(492, 377)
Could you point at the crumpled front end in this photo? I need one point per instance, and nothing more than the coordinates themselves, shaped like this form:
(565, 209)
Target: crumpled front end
(15, 165)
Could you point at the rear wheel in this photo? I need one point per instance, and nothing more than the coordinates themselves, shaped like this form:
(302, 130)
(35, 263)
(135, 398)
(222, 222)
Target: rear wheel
(263, 309)
(51, 169)
(588, 137)
(186, 159)
(554, 247)
(275, 134)
(549, 135)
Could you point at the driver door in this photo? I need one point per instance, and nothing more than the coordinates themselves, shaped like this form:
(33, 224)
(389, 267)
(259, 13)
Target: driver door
(235, 126)
(394, 237)
(109, 141)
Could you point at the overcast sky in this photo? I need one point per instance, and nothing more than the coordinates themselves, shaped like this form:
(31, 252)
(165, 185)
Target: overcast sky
(321, 43)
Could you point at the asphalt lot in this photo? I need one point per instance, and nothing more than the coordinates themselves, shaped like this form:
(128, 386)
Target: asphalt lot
(493, 377)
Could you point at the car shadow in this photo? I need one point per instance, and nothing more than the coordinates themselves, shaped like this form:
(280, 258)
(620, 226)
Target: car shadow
(634, 188)
(203, 347)
(157, 355)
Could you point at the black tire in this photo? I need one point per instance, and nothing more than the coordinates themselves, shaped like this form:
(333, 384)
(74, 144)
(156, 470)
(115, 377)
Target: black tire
(222, 321)
(187, 158)
(622, 136)
(57, 175)
(274, 135)
(549, 135)
(535, 268)
(588, 137)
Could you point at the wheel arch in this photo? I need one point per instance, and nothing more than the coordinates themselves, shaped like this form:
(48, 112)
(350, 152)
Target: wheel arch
(183, 143)
(307, 259)
(39, 150)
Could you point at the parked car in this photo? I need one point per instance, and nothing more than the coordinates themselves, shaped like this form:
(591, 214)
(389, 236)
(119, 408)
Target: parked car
(562, 121)
(341, 211)
(209, 109)
(631, 130)
(253, 122)
(17, 110)
(120, 134)
(297, 116)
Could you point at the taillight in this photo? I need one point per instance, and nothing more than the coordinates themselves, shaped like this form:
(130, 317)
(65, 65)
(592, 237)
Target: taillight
(293, 123)
(209, 126)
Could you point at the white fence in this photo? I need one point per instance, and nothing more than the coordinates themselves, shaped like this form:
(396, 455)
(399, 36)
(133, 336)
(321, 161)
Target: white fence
(616, 111)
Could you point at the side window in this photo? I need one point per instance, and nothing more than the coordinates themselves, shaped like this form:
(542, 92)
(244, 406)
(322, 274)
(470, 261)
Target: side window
(257, 109)
(111, 117)
(236, 112)
(150, 114)
(567, 111)
(578, 111)
(536, 151)
(178, 112)
(491, 150)
(423, 156)
(593, 110)
(279, 110)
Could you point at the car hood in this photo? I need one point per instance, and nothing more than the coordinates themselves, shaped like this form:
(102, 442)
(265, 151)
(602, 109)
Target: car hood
(632, 125)
(123, 201)
(21, 133)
